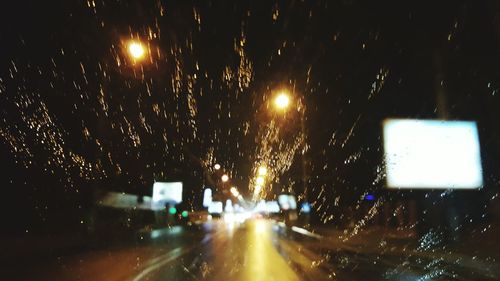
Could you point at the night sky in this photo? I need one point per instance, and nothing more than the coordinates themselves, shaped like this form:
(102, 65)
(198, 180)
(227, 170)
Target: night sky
(78, 116)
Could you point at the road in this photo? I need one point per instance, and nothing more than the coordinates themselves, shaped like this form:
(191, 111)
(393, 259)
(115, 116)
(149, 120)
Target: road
(258, 249)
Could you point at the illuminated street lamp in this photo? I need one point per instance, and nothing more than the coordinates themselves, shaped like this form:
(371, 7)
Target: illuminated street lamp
(262, 171)
(136, 50)
(256, 191)
(259, 181)
(234, 191)
(224, 178)
(282, 101)
(217, 166)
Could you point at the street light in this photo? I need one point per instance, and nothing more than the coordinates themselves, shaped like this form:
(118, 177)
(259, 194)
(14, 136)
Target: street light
(262, 171)
(260, 181)
(136, 50)
(282, 101)
(234, 191)
(217, 166)
(224, 178)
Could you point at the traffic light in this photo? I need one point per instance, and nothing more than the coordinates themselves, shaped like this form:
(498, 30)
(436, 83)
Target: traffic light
(184, 214)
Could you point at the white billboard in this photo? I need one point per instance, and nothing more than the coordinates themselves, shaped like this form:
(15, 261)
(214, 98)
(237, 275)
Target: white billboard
(207, 197)
(432, 154)
(287, 202)
(167, 192)
(272, 207)
(215, 207)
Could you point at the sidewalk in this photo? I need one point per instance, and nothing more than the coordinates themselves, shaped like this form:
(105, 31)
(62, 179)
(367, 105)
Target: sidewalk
(38, 246)
(41, 246)
(479, 252)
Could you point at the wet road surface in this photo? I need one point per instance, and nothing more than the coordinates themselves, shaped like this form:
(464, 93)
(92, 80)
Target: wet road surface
(220, 250)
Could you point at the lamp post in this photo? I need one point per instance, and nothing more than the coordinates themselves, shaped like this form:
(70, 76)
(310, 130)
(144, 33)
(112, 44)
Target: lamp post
(224, 178)
(282, 102)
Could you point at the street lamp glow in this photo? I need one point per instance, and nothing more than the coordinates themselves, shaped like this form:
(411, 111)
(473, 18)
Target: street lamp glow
(136, 50)
(282, 101)
(217, 166)
(224, 178)
(258, 188)
(260, 181)
(262, 171)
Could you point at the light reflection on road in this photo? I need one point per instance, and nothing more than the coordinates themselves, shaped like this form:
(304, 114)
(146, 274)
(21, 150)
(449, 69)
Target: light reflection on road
(221, 249)
(263, 262)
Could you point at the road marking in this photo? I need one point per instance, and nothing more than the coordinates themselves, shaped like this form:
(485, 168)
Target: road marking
(306, 232)
(169, 257)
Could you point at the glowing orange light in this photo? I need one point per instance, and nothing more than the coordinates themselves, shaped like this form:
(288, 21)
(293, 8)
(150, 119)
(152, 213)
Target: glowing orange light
(282, 100)
(136, 50)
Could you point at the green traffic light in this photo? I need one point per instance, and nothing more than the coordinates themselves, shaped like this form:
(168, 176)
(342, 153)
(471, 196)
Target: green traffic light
(172, 210)
(184, 214)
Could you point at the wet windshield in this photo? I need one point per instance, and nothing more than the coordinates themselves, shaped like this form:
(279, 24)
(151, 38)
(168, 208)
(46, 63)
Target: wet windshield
(250, 140)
